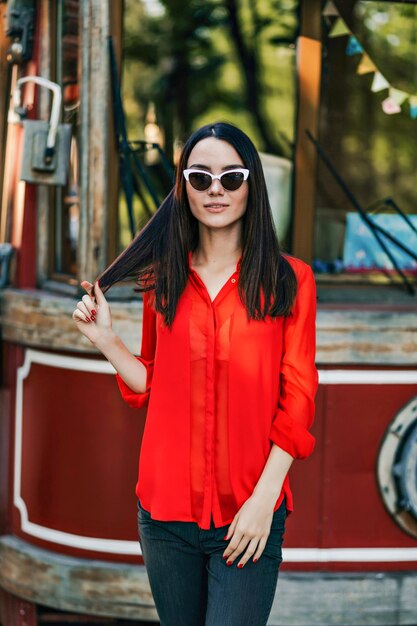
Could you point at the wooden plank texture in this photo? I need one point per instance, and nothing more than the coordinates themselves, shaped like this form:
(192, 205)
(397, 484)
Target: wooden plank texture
(71, 584)
(352, 335)
(116, 590)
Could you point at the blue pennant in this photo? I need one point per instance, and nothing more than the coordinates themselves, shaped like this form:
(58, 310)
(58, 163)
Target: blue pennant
(353, 47)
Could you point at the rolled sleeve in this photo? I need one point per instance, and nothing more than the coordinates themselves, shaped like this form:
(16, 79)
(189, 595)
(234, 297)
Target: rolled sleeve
(299, 375)
(147, 357)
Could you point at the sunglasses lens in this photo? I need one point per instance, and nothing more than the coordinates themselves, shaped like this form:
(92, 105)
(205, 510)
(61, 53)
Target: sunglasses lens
(199, 181)
(232, 181)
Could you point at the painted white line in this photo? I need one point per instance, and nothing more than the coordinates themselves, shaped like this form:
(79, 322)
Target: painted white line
(326, 377)
(367, 377)
(80, 364)
(112, 546)
(349, 555)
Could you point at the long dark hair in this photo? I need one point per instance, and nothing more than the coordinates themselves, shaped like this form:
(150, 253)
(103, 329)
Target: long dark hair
(158, 256)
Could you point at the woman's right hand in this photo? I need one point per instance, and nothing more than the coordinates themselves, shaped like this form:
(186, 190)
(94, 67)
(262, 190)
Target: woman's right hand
(92, 315)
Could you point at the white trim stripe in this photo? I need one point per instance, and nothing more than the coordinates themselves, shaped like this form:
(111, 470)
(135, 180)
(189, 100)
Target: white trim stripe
(349, 555)
(80, 364)
(326, 376)
(368, 377)
(112, 546)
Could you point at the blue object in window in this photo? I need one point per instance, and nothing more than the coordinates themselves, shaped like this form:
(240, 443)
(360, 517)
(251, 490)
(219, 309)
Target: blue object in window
(362, 251)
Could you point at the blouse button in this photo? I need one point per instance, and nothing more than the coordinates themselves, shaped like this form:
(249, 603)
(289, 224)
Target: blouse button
(233, 280)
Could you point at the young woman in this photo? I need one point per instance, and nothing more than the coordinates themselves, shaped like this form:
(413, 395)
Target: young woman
(227, 372)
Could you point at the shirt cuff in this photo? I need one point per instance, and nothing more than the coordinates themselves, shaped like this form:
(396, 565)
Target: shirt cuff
(291, 436)
(133, 398)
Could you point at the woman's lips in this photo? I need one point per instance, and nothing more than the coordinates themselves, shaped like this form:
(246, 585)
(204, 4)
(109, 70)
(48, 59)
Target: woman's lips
(215, 208)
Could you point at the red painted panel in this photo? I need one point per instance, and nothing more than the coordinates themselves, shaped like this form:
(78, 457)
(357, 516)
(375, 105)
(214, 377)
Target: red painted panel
(337, 500)
(306, 478)
(357, 418)
(79, 455)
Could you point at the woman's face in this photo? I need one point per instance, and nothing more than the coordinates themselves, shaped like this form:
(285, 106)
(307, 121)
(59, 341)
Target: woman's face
(216, 207)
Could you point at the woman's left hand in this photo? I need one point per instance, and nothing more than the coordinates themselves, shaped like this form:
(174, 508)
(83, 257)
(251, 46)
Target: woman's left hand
(250, 529)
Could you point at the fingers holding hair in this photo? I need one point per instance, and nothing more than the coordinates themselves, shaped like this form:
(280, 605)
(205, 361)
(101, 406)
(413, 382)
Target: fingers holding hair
(92, 288)
(100, 299)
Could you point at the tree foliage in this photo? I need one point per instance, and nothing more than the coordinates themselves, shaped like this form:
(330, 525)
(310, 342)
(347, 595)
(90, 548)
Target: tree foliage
(206, 59)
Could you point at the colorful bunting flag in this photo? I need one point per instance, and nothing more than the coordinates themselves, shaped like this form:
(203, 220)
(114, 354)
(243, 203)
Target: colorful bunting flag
(330, 9)
(397, 95)
(366, 65)
(353, 47)
(339, 28)
(390, 107)
(413, 107)
(379, 83)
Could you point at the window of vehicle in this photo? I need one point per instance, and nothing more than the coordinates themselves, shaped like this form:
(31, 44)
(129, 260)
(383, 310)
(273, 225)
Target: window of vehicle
(366, 125)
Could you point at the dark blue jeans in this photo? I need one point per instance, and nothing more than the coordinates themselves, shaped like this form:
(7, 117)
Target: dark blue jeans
(190, 581)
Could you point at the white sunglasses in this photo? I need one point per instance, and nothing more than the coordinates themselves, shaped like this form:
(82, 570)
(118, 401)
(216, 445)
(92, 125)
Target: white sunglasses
(230, 180)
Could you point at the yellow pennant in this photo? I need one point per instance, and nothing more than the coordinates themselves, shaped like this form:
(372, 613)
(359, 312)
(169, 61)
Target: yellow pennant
(366, 65)
(339, 28)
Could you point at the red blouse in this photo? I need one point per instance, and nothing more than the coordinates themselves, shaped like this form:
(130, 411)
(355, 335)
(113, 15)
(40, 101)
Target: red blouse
(220, 389)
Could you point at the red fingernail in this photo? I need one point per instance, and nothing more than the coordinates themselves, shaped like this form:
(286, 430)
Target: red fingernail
(229, 563)
(225, 537)
(225, 557)
(254, 560)
(93, 312)
(240, 565)
(87, 319)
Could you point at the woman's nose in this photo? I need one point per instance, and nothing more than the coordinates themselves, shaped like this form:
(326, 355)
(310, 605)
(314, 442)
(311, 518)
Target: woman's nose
(216, 187)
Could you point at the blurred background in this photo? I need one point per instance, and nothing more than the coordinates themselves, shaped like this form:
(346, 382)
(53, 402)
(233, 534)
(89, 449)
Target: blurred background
(97, 98)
